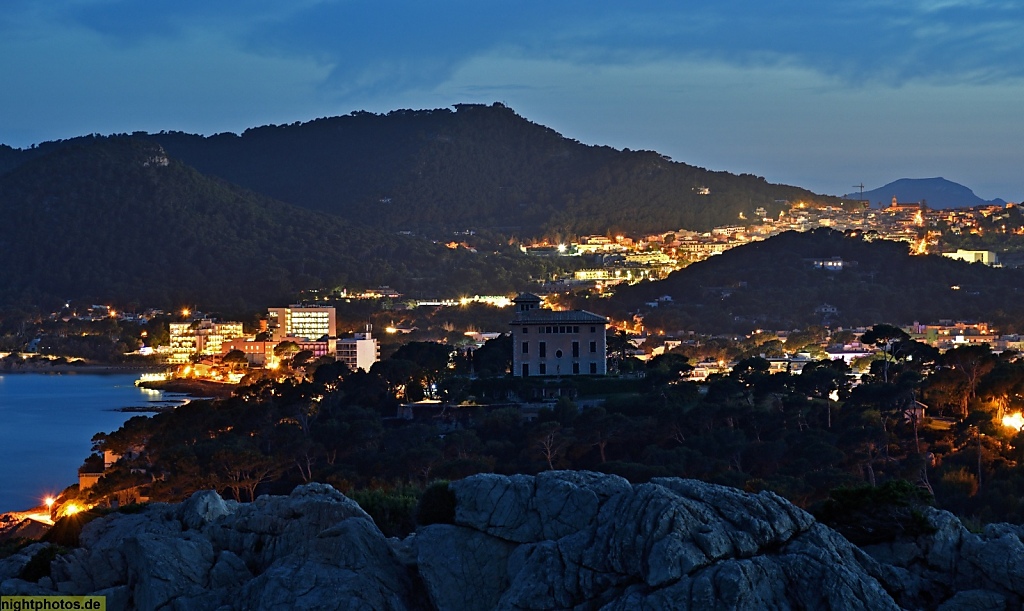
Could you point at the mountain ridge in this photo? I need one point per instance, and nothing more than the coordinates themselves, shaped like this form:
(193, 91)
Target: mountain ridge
(471, 167)
(938, 193)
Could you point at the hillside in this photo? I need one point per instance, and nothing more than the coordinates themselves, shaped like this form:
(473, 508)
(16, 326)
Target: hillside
(773, 284)
(938, 193)
(117, 218)
(474, 167)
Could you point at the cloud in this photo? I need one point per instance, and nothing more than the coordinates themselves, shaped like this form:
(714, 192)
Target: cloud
(783, 121)
(774, 88)
(79, 81)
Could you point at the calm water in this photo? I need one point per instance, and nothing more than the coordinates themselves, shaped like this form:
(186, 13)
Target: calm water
(46, 427)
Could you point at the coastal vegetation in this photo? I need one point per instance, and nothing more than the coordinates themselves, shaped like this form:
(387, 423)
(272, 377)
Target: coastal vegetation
(802, 436)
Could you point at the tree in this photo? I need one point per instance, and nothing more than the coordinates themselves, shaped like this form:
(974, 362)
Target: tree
(494, 358)
(286, 350)
(618, 345)
(969, 364)
(668, 368)
(235, 359)
(884, 337)
(550, 441)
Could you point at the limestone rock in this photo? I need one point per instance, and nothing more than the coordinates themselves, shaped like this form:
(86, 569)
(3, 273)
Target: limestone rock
(932, 568)
(590, 540)
(272, 527)
(11, 566)
(462, 568)
(559, 540)
(349, 566)
(164, 568)
(204, 507)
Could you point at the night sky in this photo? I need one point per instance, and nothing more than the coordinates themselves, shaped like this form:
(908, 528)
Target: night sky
(822, 95)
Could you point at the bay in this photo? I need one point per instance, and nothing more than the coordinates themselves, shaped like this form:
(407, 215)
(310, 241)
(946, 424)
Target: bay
(47, 423)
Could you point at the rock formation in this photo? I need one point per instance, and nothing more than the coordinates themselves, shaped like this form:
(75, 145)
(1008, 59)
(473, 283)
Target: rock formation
(558, 540)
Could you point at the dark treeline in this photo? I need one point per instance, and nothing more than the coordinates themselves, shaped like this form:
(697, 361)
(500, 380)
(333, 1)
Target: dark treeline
(117, 219)
(801, 436)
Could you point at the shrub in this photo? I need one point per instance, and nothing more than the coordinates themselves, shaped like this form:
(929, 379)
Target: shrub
(437, 505)
(392, 510)
(39, 566)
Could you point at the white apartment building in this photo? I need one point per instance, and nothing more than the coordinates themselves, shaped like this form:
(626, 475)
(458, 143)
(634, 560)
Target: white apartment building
(307, 322)
(550, 343)
(974, 256)
(359, 352)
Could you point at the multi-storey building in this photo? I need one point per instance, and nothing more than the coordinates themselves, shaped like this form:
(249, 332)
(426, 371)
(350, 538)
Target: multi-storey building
(359, 352)
(974, 256)
(261, 354)
(556, 343)
(203, 337)
(308, 322)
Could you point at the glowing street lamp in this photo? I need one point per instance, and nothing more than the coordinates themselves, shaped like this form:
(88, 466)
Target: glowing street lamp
(49, 501)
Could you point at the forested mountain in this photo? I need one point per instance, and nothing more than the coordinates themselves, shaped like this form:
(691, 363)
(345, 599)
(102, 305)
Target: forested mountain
(117, 218)
(773, 284)
(475, 167)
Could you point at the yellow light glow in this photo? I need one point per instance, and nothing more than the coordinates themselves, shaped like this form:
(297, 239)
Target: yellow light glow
(49, 501)
(185, 311)
(391, 330)
(113, 313)
(1014, 421)
(70, 509)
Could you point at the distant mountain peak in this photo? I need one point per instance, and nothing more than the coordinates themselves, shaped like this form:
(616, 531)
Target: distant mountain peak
(937, 193)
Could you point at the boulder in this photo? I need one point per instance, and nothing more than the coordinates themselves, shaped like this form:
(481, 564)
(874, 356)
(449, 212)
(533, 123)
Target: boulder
(348, 566)
(163, 568)
(559, 540)
(568, 539)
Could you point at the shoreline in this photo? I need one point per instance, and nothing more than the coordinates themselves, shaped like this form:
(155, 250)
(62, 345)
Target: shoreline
(199, 389)
(89, 369)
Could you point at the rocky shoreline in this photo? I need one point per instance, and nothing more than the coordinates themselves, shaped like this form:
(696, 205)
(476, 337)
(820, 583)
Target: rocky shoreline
(193, 388)
(559, 540)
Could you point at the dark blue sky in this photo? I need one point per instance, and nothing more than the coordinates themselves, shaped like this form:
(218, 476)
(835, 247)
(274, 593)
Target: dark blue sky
(818, 94)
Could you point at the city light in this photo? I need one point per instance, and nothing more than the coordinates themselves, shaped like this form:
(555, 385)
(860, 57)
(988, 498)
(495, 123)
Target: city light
(49, 501)
(1014, 421)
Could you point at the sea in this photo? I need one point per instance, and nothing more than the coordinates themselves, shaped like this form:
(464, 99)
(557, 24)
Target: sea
(47, 422)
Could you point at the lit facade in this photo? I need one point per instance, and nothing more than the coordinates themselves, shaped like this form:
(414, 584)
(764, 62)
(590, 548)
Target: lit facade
(261, 354)
(308, 322)
(974, 256)
(550, 343)
(201, 337)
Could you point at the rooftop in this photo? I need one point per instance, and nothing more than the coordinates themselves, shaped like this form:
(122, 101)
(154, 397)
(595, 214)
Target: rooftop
(564, 316)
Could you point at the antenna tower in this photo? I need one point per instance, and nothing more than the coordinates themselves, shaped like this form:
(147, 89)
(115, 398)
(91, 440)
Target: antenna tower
(861, 187)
